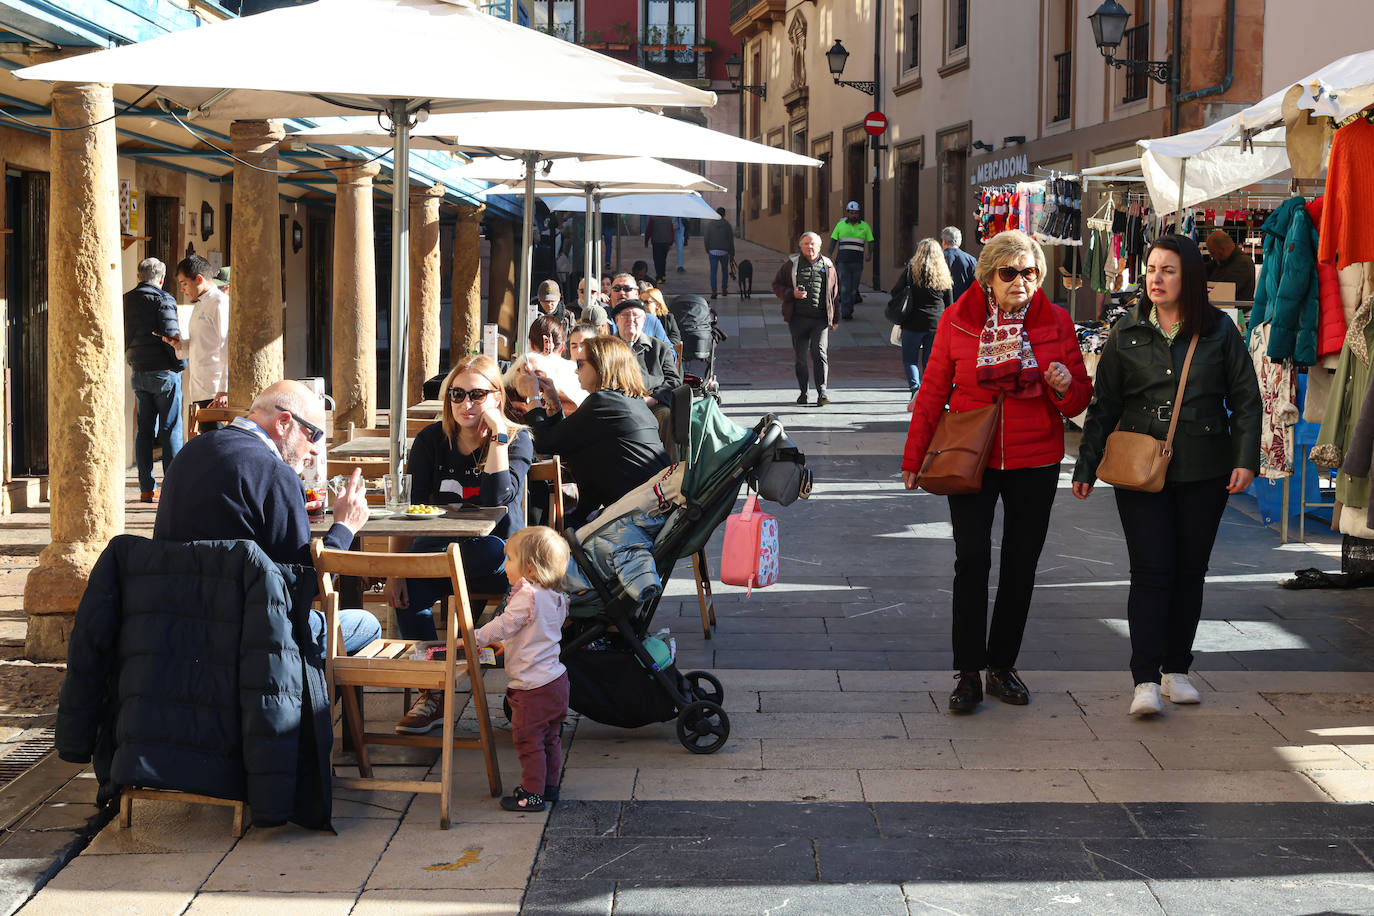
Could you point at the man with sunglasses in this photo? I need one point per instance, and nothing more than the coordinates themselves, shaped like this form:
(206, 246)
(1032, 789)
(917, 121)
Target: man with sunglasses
(625, 286)
(242, 483)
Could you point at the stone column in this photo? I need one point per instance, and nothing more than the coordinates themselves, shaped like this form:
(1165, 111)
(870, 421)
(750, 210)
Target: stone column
(501, 286)
(424, 290)
(354, 331)
(465, 326)
(85, 364)
(255, 304)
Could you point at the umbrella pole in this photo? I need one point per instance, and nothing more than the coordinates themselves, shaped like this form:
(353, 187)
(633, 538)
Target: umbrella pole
(600, 240)
(522, 320)
(400, 283)
(589, 252)
(1178, 214)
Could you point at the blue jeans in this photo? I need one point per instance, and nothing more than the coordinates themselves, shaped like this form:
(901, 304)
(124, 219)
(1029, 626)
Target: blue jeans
(721, 262)
(358, 628)
(608, 245)
(680, 240)
(849, 272)
(915, 354)
(485, 556)
(158, 396)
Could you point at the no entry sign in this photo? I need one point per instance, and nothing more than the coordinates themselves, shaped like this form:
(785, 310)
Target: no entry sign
(875, 122)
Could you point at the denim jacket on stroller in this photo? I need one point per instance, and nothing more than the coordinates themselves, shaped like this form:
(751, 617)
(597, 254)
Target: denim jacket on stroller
(620, 541)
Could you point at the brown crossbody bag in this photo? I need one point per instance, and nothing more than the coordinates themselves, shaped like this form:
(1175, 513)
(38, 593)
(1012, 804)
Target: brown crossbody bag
(959, 450)
(1139, 461)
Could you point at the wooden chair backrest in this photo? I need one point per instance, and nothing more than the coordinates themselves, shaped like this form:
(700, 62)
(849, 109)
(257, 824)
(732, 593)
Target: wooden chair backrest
(551, 472)
(414, 425)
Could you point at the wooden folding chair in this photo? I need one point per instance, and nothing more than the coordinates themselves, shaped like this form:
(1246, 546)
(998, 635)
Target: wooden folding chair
(127, 794)
(414, 425)
(214, 415)
(389, 663)
(702, 573)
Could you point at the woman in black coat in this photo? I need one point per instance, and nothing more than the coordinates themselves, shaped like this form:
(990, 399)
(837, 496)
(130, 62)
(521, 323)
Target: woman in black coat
(931, 289)
(611, 444)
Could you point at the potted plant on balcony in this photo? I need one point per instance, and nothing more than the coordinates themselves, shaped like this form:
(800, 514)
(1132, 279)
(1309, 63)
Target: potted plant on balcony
(706, 44)
(675, 38)
(623, 38)
(592, 40)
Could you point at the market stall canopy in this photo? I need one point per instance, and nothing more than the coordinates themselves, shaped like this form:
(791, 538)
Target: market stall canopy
(337, 57)
(636, 173)
(1210, 162)
(558, 133)
(688, 205)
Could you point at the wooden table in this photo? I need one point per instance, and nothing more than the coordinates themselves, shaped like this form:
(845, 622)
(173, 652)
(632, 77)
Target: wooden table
(365, 447)
(425, 410)
(454, 523)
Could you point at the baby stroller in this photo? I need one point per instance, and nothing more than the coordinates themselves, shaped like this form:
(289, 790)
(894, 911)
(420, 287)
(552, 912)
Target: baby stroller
(619, 674)
(700, 334)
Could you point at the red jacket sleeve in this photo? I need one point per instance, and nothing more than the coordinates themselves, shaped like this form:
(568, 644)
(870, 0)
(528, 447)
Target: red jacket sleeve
(936, 384)
(1080, 392)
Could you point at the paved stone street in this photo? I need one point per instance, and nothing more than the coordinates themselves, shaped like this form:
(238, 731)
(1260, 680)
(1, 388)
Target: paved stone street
(844, 787)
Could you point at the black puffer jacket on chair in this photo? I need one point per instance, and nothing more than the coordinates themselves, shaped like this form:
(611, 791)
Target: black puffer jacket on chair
(192, 667)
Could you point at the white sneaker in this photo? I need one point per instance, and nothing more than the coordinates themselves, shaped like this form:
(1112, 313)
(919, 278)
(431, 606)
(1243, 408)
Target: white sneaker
(1147, 701)
(1179, 689)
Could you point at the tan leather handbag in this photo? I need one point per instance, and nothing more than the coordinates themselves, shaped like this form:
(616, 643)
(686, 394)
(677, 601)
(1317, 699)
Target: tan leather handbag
(1139, 461)
(959, 451)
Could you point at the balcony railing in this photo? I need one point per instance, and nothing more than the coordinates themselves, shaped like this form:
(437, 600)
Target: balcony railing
(1137, 81)
(1063, 85)
(738, 8)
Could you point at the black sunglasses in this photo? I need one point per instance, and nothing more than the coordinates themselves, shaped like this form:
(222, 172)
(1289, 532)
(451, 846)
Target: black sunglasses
(313, 432)
(476, 395)
(1009, 274)
(624, 289)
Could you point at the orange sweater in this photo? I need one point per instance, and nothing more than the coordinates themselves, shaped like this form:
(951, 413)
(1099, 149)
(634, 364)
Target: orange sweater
(1346, 234)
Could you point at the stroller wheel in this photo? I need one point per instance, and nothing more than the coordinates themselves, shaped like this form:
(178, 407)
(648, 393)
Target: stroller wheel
(702, 727)
(704, 686)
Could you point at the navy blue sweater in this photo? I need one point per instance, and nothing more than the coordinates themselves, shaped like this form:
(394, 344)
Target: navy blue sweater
(230, 485)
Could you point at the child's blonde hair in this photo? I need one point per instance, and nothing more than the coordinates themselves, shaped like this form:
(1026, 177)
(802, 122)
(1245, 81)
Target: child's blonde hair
(541, 554)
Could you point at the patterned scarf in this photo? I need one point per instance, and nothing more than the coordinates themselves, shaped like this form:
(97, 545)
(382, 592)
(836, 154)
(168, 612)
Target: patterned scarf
(1005, 360)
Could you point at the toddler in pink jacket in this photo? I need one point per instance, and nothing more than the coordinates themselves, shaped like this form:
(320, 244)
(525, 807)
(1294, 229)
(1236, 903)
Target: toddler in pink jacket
(530, 630)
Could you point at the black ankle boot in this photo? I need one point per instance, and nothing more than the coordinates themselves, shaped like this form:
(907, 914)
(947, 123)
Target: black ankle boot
(1006, 686)
(968, 693)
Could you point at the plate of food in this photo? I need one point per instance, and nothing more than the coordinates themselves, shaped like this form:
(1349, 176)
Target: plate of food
(419, 510)
(379, 513)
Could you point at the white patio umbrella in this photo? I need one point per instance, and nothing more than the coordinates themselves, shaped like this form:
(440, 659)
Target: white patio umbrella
(392, 57)
(557, 133)
(688, 205)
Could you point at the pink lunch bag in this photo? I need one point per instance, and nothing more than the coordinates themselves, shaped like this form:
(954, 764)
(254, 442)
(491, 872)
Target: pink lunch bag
(750, 555)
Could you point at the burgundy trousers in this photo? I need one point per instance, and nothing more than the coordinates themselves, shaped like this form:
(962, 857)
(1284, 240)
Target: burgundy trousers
(536, 728)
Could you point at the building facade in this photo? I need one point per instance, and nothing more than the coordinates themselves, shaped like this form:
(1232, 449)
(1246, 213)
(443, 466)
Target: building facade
(984, 93)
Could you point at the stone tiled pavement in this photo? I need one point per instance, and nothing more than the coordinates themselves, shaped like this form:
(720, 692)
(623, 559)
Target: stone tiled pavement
(844, 788)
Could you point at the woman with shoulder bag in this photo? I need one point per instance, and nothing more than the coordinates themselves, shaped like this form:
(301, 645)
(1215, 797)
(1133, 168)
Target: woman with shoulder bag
(1142, 389)
(926, 290)
(1002, 341)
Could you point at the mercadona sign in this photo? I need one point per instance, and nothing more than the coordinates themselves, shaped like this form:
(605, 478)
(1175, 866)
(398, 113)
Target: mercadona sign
(999, 169)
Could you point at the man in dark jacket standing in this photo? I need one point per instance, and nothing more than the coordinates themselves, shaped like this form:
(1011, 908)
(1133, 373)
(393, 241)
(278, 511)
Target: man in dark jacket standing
(150, 319)
(660, 234)
(719, 240)
(961, 263)
(808, 287)
(241, 483)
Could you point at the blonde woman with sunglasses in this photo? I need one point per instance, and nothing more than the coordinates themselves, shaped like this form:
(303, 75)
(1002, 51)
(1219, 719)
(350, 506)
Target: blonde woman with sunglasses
(474, 455)
(1001, 337)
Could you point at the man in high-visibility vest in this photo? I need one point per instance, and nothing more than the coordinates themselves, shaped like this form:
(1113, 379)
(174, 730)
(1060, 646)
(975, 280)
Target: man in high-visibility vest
(849, 249)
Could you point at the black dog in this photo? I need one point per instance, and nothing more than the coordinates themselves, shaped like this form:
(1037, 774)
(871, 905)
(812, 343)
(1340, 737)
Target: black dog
(745, 279)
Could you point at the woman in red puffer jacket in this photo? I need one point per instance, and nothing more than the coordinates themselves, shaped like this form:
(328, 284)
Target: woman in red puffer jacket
(1003, 336)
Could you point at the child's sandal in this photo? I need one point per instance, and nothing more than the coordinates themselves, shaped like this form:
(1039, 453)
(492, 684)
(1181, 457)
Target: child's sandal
(522, 801)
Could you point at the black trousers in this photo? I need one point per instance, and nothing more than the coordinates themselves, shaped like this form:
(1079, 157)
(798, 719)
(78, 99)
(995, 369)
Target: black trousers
(1169, 537)
(810, 339)
(1027, 495)
(661, 250)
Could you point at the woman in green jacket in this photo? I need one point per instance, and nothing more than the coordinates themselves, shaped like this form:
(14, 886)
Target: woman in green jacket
(1169, 534)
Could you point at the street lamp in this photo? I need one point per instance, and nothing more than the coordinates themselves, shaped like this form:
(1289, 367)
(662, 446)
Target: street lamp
(835, 58)
(734, 69)
(1109, 27)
